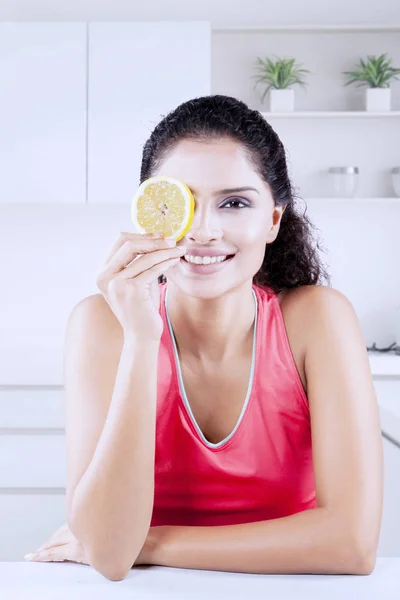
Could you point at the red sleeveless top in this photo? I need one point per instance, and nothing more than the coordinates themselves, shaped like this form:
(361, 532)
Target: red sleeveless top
(263, 469)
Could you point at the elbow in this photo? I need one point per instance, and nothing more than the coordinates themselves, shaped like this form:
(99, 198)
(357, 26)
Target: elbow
(361, 556)
(356, 545)
(364, 562)
(108, 566)
(110, 571)
(365, 544)
(354, 562)
(111, 567)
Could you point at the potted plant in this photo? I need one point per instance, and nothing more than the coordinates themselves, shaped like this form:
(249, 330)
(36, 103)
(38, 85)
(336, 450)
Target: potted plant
(278, 76)
(377, 73)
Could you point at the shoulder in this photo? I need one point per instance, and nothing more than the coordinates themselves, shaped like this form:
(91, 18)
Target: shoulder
(93, 318)
(307, 298)
(314, 312)
(322, 318)
(93, 308)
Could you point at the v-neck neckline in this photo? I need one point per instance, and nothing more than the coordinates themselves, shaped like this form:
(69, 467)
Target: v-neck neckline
(182, 386)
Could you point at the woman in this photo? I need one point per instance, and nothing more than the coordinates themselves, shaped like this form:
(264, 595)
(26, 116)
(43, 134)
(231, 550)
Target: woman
(224, 418)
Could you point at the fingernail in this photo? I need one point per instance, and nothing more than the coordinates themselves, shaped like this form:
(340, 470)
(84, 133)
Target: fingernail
(171, 242)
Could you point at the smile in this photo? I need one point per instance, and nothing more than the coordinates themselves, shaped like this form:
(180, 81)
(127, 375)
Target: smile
(204, 260)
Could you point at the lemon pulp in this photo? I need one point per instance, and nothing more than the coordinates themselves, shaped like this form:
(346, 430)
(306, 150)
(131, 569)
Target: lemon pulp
(163, 204)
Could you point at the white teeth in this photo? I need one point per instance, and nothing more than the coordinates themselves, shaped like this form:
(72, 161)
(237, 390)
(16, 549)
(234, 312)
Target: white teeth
(204, 260)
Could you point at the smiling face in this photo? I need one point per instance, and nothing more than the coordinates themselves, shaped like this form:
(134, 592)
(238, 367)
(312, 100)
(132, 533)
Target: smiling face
(238, 223)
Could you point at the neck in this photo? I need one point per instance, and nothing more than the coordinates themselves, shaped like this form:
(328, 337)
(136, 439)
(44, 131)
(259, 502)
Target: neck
(212, 330)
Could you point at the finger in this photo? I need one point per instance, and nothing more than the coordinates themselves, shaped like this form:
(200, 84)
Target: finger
(61, 536)
(159, 269)
(130, 250)
(147, 261)
(126, 235)
(53, 555)
(53, 544)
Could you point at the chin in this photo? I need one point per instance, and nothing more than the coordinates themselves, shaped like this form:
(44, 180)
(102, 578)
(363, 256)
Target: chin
(209, 290)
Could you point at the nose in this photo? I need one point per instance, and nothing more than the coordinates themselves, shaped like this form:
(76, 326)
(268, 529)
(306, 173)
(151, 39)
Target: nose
(205, 227)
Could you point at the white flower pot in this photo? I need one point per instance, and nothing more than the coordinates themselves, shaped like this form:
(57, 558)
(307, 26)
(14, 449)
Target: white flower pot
(281, 100)
(377, 99)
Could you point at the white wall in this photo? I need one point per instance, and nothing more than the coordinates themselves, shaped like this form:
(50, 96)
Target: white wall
(50, 243)
(53, 252)
(220, 12)
(364, 258)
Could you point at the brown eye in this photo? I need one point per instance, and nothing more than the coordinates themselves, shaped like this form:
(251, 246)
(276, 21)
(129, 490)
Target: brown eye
(235, 202)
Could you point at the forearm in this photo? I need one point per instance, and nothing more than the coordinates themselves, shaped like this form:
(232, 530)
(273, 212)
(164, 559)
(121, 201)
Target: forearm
(312, 541)
(112, 504)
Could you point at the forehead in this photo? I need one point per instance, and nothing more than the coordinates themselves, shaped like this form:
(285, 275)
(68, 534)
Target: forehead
(210, 165)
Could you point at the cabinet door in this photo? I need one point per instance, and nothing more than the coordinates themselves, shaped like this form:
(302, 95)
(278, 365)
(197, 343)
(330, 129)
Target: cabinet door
(389, 541)
(32, 461)
(138, 72)
(27, 521)
(42, 112)
(388, 394)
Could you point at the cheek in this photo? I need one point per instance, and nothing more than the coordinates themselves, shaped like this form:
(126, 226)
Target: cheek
(251, 253)
(250, 231)
(251, 242)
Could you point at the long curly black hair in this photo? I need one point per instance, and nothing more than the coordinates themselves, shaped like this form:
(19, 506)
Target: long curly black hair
(292, 259)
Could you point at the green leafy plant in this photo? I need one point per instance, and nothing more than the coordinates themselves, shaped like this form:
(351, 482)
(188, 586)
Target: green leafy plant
(375, 72)
(279, 74)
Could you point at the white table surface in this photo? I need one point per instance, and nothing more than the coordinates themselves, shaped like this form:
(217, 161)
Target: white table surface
(62, 581)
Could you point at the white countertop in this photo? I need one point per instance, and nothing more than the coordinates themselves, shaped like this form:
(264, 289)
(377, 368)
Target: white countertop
(64, 581)
(387, 383)
(386, 365)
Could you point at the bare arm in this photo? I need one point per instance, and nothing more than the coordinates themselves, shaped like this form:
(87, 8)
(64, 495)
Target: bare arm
(110, 386)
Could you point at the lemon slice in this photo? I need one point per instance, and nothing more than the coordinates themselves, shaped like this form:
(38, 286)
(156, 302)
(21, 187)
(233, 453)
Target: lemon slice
(163, 204)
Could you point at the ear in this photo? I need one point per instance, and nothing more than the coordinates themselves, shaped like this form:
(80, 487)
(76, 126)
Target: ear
(276, 223)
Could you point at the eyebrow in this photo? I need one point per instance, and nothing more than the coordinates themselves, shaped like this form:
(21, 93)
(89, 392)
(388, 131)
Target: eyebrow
(234, 190)
(239, 189)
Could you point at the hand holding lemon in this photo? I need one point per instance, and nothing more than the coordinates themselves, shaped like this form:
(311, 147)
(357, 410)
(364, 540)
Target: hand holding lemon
(162, 211)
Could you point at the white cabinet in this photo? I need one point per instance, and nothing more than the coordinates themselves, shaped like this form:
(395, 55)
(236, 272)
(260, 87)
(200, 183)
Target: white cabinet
(389, 540)
(32, 468)
(42, 112)
(388, 394)
(32, 461)
(78, 102)
(27, 520)
(138, 72)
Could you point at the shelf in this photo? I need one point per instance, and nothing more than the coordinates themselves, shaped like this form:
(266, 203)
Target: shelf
(326, 114)
(307, 28)
(388, 200)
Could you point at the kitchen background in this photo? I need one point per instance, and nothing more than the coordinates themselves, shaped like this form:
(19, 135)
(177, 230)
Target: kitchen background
(82, 84)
